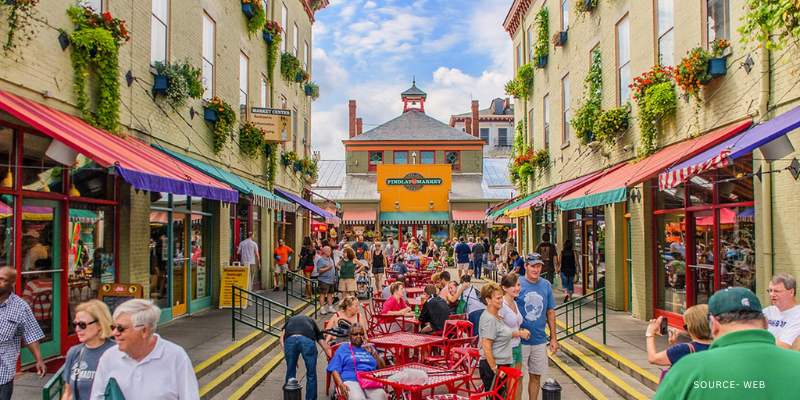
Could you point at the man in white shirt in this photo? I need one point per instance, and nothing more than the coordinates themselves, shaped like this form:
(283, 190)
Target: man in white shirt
(783, 316)
(249, 256)
(144, 365)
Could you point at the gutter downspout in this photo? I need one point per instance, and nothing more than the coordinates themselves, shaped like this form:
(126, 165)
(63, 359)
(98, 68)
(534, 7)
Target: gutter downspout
(767, 184)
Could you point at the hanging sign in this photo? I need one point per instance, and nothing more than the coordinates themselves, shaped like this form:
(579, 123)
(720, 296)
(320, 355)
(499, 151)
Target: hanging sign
(275, 122)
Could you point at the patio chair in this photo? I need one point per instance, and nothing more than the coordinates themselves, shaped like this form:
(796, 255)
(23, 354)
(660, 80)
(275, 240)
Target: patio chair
(504, 388)
(457, 333)
(328, 376)
(466, 360)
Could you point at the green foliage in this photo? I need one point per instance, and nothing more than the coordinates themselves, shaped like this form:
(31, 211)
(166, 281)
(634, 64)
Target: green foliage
(251, 139)
(270, 162)
(21, 15)
(660, 100)
(290, 67)
(288, 158)
(610, 123)
(519, 138)
(542, 47)
(313, 88)
(771, 22)
(581, 6)
(274, 28)
(541, 160)
(587, 113)
(184, 82)
(223, 126)
(308, 168)
(256, 22)
(521, 87)
(654, 92)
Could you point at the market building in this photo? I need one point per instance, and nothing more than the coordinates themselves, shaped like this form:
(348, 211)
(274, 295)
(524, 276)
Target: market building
(704, 198)
(412, 175)
(495, 125)
(149, 196)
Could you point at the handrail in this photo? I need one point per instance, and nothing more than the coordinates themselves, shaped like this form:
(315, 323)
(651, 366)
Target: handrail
(298, 286)
(595, 301)
(255, 310)
(54, 386)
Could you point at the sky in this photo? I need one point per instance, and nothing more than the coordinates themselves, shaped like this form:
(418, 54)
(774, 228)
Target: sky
(369, 51)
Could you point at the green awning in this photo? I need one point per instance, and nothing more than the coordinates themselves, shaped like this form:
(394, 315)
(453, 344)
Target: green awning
(594, 199)
(416, 217)
(261, 196)
(498, 213)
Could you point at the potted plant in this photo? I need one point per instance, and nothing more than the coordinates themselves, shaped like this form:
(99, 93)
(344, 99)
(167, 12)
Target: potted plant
(248, 8)
(586, 114)
(290, 67)
(255, 13)
(654, 92)
(586, 5)
(610, 123)
(178, 82)
(541, 49)
(691, 73)
(312, 90)
(222, 116)
(559, 39)
(717, 63)
(288, 158)
(251, 139)
(271, 31)
(522, 85)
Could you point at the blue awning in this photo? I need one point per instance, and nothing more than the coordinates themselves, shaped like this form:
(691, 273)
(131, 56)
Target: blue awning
(329, 218)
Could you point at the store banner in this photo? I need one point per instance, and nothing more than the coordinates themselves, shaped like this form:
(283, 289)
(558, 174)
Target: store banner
(414, 187)
(230, 275)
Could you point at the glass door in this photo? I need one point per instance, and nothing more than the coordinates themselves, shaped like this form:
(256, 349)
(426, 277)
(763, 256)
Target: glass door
(180, 263)
(703, 266)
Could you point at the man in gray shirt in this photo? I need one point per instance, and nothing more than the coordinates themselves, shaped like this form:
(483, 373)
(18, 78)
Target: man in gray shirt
(327, 278)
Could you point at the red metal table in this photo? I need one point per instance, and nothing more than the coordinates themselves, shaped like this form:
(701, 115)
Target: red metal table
(401, 343)
(414, 291)
(436, 377)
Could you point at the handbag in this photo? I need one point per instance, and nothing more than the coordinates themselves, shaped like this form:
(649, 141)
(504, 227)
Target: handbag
(113, 392)
(462, 304)
(365, 384)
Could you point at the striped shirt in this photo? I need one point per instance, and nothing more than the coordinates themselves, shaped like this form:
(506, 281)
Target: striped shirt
(17, 326)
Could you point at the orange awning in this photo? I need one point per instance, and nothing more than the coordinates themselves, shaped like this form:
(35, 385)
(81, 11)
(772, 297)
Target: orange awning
(359, 217)
(469, 216)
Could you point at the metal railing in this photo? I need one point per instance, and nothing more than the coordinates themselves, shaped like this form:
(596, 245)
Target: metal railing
(257, 311)
(54, 387)
(581, 314)
(301, 288)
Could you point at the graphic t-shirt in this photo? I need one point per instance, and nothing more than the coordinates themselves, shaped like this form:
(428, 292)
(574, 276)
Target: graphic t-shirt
(533, 302)
(785, 326)
(342, 362)
(83, 366)
(361, 249)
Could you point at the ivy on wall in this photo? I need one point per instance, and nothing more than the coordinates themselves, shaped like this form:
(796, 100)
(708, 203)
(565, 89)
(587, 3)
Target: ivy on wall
(21, 27)
(273, 36)
(587, 113)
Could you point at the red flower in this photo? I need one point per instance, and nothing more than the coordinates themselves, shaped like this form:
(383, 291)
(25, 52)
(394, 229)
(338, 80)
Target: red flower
(107, 17)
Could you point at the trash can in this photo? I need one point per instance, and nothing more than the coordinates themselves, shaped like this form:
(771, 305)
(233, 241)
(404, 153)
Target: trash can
(292, 390)
(551, 390)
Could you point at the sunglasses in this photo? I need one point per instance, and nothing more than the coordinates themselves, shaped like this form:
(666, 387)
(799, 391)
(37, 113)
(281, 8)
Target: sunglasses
(121, 329)
(82, 325)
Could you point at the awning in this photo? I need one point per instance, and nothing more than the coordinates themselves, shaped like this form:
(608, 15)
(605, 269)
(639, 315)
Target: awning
(554, 193)
(612, 185)
(507, 209)
(503, 221)
(420, 217)
(329, 218)
(469, 216)
(137, 163)
(81, 215)
(724, 153)
(351, 217)
(261, 196)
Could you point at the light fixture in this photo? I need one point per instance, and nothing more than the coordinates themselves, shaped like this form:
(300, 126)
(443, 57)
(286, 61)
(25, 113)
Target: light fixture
(129, 78)
(748, 64)
(794, 168)
(8, 181)
(430, 204)
(74, 192)
(397, 204)
(63, 40)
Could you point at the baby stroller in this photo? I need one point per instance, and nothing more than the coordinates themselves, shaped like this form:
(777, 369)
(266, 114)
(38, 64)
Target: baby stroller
(363, 286)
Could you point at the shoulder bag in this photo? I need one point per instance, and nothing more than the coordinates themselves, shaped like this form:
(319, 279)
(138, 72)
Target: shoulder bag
(365, 384)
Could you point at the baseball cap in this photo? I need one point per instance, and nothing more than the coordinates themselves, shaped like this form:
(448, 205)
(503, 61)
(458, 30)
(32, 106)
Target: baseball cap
(732, 300)
(533, 258)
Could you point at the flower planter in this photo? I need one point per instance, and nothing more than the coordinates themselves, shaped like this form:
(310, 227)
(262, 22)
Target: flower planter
(560, 39)
(267, 37)
(541, 61)
(298, 77)
(248, 10)
(717, 67)
(160, 84)
(309, 90)
(210, 114)
(588, 5)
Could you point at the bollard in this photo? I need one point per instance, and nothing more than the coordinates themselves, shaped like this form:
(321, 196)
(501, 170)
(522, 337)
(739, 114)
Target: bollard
(292, 390)
(551, 390)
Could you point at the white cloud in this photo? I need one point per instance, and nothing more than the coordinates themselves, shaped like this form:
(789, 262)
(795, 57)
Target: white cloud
(370, 4)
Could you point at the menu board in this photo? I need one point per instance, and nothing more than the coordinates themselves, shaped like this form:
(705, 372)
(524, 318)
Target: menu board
(231, 275)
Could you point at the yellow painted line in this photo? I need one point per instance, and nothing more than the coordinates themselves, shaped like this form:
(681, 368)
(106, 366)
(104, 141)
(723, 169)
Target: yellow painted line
(200, 369)
(587, 387)
(256, 379)
(606, 374)
(616, 356)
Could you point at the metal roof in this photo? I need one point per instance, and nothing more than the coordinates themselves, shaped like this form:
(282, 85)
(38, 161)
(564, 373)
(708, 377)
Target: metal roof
(413, 91)
(414, 125)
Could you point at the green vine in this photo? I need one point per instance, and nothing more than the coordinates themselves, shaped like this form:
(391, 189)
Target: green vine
(654, 92)
(290, 68)
(21, 14)
(183, 82)
(521, 87)
(256, 22)
(251, 139)
(585, 116)
(312, 90)
(288, 158)
(274, 29)
(270, 162)
(771, 22)
(610, 123)
(223, 126)
(542, 47)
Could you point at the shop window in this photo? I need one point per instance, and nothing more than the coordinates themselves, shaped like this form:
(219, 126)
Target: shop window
(701, 189)
(670, 198)
(90, 180)
(39, 172)
(375, 158)
(7, 231)
(671, 262)
(428, 157)
(401, 157)
(8, 167)
(737, 250)
(454, 159)
(41, 239)
(735, 183)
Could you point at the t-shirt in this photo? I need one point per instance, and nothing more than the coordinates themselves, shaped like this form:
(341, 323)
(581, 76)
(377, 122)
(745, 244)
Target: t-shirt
(675, 352)
(534, 300)
(512, 318)
(342, 362)
(477, 250)
(247, 251)
(392, 304)
(785, 326)
(548, 251)
(400, 268)
(472, 297)
(519, 266)
(462, 253)
(435, 311)
(347, 270)
(328, 276)
(82, 363)
(283, 254)
(361, 249)
(302, 325)
(490, 327)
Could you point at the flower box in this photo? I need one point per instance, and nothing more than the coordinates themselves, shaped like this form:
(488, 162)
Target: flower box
(160, 84)
(588, 5)
(267, 37)
(248, 10)
(298, 77)
(10, 2)
(717, 66)
(210, 114)
(541, 61)
(309, 90)
(560, 38)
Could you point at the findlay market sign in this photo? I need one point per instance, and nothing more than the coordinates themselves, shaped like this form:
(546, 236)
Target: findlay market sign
(413, 181)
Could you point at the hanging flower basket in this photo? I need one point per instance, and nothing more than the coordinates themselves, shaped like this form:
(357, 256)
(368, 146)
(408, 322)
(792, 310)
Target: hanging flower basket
(268, 38)
(717, 67)
(541, 61)
(559, 39)
(160, 84)
(298, 77)
(589, 5)
(248, 10)
(210, 114)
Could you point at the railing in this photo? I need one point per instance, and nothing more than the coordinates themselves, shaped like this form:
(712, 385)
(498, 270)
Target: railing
(256, 311)
(301, 288)
(54, 387)
(581, 314)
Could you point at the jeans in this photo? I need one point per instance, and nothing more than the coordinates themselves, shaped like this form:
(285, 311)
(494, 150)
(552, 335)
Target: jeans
(294, 347)
(476, 267)
(568, 281)
(6, 389)
(475, 318)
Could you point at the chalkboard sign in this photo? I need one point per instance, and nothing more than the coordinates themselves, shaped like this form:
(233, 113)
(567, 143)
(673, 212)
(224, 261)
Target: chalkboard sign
(114, 294)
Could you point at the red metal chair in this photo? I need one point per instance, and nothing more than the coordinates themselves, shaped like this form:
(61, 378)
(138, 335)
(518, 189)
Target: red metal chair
(466, 360)
(506, 381)
(461, 317)
(456, 333)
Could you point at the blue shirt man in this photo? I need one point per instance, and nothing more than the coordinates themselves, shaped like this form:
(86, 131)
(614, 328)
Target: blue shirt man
(462, 251)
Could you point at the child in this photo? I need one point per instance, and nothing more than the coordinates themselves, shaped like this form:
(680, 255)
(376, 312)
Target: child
(490, 267)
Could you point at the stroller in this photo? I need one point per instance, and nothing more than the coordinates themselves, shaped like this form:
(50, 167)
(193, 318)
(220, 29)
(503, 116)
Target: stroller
(363, 286)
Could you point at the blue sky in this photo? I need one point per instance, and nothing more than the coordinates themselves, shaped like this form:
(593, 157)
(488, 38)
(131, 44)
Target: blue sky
(369, 50)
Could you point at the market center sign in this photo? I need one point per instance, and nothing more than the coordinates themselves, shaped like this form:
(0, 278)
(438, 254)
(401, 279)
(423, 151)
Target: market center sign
(413, 181)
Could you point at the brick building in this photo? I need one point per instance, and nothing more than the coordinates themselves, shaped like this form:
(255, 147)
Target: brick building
(711, 206)
(495, 125)
(153, 205)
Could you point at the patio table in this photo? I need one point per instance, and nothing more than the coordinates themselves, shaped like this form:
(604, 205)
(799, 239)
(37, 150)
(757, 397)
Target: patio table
(436, 377)
(414, 292)
(401, 343)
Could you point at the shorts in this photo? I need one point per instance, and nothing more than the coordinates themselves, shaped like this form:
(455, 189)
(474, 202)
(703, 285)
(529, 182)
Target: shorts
(462, 265)
(325, 288)
(534, 358)
(516, 352)
(281, 268)
(307, 270)
(347, 285)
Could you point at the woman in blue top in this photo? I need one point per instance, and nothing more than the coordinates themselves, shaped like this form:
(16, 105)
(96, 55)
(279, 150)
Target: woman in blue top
(356, 356)
(93, 328)
(696, 319)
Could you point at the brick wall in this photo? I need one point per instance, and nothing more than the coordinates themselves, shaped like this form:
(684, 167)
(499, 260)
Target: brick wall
(134, 240)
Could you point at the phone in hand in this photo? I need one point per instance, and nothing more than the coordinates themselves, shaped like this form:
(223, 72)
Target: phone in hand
(664, 326)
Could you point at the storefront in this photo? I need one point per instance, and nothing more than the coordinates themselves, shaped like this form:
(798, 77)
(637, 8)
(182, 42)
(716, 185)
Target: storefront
(586, 229)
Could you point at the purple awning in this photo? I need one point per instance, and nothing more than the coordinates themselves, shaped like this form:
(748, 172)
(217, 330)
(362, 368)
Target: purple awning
(329, 218)
(737, 146)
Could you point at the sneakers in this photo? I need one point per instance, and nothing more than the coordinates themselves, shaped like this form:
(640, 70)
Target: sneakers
(275, 289)
(325, 309)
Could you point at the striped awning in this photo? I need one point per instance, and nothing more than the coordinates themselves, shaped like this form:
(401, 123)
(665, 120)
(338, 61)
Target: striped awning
(433, 217)
(354, 217)
(469, 216)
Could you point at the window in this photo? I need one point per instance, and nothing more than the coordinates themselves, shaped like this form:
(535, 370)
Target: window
(666, 25)
(428, 157)
(375, 158)
(719, 21)
(530, 44)
(243, 81)
(401, 157)
(454, 159)
(519, 55)
(530, 127)
(284, 24)
(306, 138)
(565, 113)
(502, 136)
(295, 130)
(306, 57)
(263, 92)
(485, 135)
(294, 39)
(96, 5)
(208, 56)
(159, 28)
(565, 15)
(623, 61)
(546, 115)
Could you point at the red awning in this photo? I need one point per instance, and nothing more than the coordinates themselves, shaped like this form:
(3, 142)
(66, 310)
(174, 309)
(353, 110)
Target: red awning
(359, 217)
(139, 164)
(469, 216)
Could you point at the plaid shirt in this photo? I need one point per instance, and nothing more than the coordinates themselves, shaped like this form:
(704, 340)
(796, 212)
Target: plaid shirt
(16, 323)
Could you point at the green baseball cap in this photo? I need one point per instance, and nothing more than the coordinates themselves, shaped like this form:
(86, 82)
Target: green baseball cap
(732, 300)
